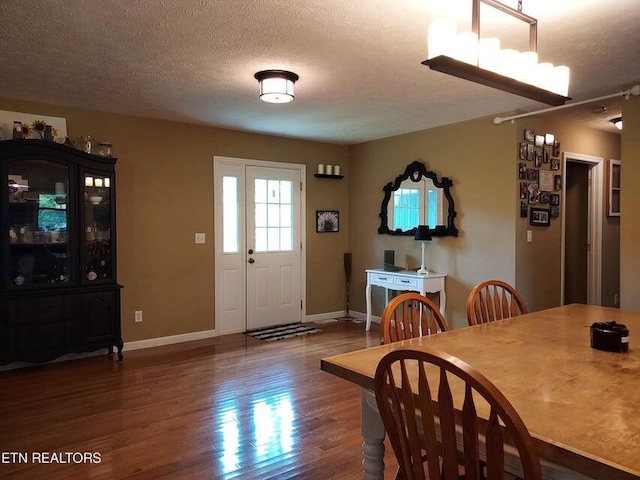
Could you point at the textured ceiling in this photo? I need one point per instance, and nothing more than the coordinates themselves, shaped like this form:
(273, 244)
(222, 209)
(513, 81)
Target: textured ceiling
(358, 60)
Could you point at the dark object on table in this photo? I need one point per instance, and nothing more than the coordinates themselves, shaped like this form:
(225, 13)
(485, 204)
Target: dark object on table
(610, 337)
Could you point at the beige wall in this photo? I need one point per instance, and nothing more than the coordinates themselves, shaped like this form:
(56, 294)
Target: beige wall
(538, 263)
(477, 156)
(630, 206)
(164, 193)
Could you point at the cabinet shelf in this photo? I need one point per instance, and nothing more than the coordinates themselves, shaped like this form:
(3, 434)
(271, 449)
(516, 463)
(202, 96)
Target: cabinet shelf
(322, 175)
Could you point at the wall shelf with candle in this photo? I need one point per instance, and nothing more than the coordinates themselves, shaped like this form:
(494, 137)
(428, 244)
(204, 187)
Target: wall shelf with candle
(323, 175)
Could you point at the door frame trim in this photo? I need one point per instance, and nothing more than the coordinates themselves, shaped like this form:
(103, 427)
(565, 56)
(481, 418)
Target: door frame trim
(247, 162)
(595, 219)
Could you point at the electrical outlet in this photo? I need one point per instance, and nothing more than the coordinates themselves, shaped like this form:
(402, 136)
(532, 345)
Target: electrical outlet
(199, 238)
(138, 316)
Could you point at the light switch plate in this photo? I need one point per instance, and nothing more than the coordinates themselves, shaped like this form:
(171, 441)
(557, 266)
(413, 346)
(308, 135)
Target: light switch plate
(529, 236)
(200, 238)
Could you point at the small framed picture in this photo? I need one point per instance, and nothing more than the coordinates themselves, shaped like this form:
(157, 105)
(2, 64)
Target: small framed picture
(529, 135)
(523, 151)
(546, 154)
(549, 138)
(557, 182)
(556, 149)
(524, 210)
(555, 212)
(539, 217)
(544, 198)
(524, 190)
(555, 164)
(327, 221)
(554, 199)
(539, 141)
(533, 193)
(530, 151)
(538, 159)
(522, 171)
(532, 174)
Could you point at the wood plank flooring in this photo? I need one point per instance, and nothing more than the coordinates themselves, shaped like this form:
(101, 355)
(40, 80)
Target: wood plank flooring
(230, 407)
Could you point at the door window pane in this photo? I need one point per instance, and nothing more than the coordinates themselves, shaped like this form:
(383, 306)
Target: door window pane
(273, 210)
(230, 233)
(261, 190)
(261, 239)
(261, 215)
(274, 191)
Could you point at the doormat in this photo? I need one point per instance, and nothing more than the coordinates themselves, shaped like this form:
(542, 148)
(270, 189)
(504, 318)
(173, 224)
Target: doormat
(278, 332)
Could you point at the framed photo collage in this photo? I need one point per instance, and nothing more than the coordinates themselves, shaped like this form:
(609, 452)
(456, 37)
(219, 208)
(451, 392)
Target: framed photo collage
(540, 177)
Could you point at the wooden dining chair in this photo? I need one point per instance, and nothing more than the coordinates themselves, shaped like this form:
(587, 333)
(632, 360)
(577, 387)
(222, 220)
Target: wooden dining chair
(493, 300)
(427, 398)
(410, 315)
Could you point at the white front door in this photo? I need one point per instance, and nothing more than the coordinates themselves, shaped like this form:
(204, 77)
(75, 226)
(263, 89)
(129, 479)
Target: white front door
(273, 247)
(259, 261)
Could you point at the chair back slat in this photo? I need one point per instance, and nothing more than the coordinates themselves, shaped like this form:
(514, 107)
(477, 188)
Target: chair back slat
(494, 448)
(405, 387)
(470, 437)
(410, 315)
(429, 414)
(447, 428)
(493, 300)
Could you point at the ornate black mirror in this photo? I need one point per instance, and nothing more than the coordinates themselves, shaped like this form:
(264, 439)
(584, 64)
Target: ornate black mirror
(415, 198)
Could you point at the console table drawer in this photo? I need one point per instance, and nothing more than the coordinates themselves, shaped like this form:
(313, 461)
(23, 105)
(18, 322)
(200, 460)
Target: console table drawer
(382, 280)
(401, 282)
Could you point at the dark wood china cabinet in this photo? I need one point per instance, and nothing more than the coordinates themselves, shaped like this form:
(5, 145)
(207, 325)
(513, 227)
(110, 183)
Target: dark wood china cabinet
(59, 292)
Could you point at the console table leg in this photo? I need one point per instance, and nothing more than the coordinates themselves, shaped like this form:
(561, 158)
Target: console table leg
(368, 296)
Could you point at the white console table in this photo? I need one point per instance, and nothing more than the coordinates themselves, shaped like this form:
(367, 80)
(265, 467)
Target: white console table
(405, 280)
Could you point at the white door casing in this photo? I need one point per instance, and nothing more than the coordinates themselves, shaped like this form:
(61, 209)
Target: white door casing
(594, 259)
(276, 275)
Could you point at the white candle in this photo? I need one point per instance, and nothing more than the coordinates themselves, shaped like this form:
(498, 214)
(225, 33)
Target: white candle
(321, 169)
(336, 170)
(329, 170)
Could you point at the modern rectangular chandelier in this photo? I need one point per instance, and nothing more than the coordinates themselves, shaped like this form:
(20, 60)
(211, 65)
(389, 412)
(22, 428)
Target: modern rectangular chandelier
(469, 56)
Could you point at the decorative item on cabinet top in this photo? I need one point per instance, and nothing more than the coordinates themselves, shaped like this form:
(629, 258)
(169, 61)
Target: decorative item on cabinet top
(32, 126)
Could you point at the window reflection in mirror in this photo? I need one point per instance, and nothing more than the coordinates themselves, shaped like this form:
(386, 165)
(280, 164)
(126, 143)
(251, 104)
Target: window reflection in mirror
(416, 203)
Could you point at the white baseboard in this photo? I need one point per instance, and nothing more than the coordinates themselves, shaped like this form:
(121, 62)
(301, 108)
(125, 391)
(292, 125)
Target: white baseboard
(157, 342)
(339, 314)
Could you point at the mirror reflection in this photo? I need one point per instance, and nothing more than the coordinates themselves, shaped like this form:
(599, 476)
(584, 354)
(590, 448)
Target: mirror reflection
(417, 197)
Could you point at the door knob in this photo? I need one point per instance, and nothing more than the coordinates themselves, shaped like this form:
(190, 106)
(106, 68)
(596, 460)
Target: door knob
(251, 260)
(250, 251)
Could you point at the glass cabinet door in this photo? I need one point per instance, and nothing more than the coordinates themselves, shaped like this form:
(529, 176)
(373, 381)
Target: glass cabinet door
(98, 259)
(38, 223)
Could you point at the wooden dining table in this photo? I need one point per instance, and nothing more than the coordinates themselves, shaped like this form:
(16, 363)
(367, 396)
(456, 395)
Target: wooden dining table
(581, 405)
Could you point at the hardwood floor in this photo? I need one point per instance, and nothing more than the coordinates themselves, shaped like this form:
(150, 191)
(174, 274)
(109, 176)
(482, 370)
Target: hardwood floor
(230, 407)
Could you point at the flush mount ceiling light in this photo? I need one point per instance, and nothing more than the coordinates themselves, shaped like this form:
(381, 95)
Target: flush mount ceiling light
(276, 86)
(467, 55)
(617, 122)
